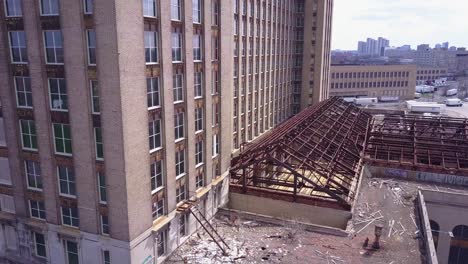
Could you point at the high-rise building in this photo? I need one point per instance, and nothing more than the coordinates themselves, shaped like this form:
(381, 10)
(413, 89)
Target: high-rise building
(114, 113)
(362, 48)
(382, 44)
(372, 47)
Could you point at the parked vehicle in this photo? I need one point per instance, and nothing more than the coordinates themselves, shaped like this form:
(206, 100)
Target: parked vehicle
(426, 108)
(388, 99)
(453, 102)
(365, 101)
(349, 99)
(417, 95)
(451, 92)
(424, 89)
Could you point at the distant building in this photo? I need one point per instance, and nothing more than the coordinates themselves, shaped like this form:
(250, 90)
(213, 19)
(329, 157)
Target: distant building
(373, 80)
(424, 74)
(362, 48)
(445, 45)
(382, 43)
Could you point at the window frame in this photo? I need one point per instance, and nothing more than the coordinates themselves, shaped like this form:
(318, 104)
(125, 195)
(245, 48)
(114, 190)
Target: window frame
(199, 120)
(147, 3)
(180, 164)
(32, 137)
(63, 139)
(95, 102)
(197, 46)
(102, 188)
(38, 208)
(61, 84)
(18, 2)
(161, 243)
(37, 176)
(98, 144)
(178, 5)
(49, 14)
(152, 44)
(54, 47)
(215, 145)
(90, 46)
(151, 91)
(88, 7)
(159, 210)
(27, 94)
(179, 126)
(105, 227)
(197, 10)
(68, 252)
(69, 181)
(158, 176)
(152, 125)
(36, 251)
(178, 88)
(20, 46)
(72, 218)
(106, 258)
(177, 44)
(199, 161)
(198, 84)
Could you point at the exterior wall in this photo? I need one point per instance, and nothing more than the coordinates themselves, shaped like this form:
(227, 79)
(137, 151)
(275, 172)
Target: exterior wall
(290, 211)
(356, 80)
(424, 74)
(448, 210)
(419, 176)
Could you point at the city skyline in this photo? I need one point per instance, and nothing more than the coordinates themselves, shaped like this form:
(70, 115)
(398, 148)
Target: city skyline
(399, 21)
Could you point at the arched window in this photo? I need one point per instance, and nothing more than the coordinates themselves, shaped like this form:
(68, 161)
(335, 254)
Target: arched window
(435, 228)
(459, 245)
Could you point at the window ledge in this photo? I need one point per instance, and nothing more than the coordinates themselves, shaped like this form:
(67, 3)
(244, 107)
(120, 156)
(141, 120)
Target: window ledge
(198, 132)
(157, 190)
(63, 154)
(180, 176)
(179, 140)
(155, 150)
(199, 165)
(67, 195)
(154, 107)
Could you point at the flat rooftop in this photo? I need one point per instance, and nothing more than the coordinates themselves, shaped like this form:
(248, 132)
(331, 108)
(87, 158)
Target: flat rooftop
(388, 202)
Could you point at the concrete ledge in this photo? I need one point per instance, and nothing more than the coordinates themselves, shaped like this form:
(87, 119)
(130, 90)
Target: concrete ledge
(278, 221)
(426, 231)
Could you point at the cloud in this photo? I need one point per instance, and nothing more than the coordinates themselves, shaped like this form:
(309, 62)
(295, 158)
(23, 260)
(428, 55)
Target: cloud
(402, 21)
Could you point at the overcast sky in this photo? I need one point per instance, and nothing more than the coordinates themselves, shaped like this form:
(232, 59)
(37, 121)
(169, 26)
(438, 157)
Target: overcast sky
(401, 21)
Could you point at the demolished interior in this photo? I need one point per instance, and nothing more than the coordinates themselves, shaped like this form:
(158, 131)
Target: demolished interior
(316, 157)
(313, 158)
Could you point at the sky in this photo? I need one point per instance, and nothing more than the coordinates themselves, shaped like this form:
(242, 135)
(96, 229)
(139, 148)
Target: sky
(403, 22)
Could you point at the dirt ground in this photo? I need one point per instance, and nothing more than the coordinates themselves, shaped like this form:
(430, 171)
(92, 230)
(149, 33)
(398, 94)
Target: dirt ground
(387, 202)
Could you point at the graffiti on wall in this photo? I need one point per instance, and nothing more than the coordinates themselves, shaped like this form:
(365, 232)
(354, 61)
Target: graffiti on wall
(397, 173)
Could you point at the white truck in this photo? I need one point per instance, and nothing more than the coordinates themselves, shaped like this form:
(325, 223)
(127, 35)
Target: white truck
(365, 101)
(417, 95)
(451, 92)
(453, 102)
(424, 89)
(426, 108)
(389, 99)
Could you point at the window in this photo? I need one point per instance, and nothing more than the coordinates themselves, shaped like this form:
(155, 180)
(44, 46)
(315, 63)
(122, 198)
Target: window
(161, 241)
(200, 181)
(49, 8)
(91, 38)
(178, 82)
(98, 143)
(199, 153)
(28, 134)
(149, 8)
(152, 89)
(62, 139)
(158, 208)
(13, 8)
(102, 188)
(88, 7)
(95, 106)
(176, 10)
(197, 50)
(33, 174)
(37, 209)
(71, 250)
(151, 47)
(39, 245)
(156, 176)
(180, 191)
(180, 163)
(58, 94)
(215, 83)
(176, 46)
(66, 181)
(216, 115)
(18, 51)
(215, 49)
(179, 126)
(215, 145)
(23, 92)
(197, 11)
(198, 119)
(183, 225)
(154, 126)
(106, 257)
(53, 46)
(215, 18)
(198, 84)
(104, 224)
(70, 216)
